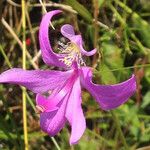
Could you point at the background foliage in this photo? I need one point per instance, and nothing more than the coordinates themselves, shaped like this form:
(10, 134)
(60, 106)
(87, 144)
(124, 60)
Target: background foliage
(120, 30)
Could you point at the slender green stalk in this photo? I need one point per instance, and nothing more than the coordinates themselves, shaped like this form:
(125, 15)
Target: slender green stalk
(124, 68)
(126, 40)
(30, 102)
(95, 116)
(123, 23)
(24, 67)
(100, 138)
(56, 144)
(131, 67)
(96, 34)
(118, 127)
(5, 57)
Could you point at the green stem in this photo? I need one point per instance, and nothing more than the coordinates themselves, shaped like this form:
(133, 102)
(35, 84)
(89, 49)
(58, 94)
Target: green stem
(55, 143)
(5, 57)
(25, 129)
(90, 116)
(116, 120)
(125, 26)
(100, 138)
(123, 68)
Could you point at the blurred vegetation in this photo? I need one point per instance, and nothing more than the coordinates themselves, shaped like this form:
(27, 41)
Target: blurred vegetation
(120, 30)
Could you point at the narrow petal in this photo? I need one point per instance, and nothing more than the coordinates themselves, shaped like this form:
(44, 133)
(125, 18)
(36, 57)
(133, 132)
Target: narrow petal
(74, 113)
(49, 57)
(108, 96)
(37, 81)
(87, 53)
(68, 32)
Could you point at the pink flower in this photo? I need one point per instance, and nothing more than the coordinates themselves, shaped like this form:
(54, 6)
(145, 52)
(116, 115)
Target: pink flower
(64, 102)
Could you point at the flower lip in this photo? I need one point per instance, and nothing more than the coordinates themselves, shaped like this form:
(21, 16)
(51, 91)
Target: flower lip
(68, 31)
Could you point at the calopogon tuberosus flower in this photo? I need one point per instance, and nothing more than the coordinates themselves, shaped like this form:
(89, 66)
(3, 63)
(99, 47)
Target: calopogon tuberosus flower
(63, 104)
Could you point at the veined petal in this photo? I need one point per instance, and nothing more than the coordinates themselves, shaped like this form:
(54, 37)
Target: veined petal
(87, 53)
(52, 122)
(108, 96)
(74, 113)
(49, 57)
(68, 31)
(50, 103)
(46, 104)
(38, 81)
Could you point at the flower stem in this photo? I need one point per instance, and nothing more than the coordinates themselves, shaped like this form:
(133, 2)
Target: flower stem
(116, 120)
(24, 67)
(96, 57)
(5, 57)
(55, 143)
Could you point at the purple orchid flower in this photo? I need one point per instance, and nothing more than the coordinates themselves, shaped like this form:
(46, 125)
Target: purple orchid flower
(64, 102)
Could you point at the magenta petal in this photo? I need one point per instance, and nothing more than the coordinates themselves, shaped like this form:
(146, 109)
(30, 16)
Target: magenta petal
(37, 81)
(84, 52)
(108, 96)
(49, 57)
(68, 32)
(52, 122)
(50, 103)
(46, 104)
(74, 113)
(78, 40)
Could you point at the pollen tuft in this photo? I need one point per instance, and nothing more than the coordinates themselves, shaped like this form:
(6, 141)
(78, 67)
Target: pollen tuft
(72, 53)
